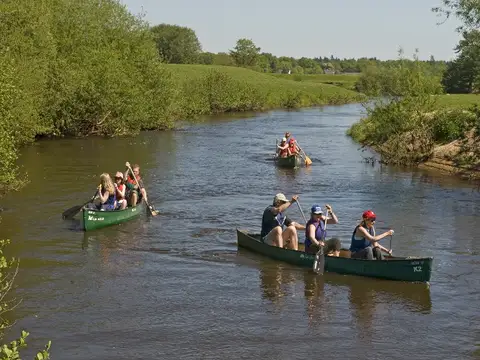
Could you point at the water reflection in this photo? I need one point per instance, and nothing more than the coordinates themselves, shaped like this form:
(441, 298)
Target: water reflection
(365, 295)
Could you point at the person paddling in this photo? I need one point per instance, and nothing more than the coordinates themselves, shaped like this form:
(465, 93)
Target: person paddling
(134, 193)
(316, 232)
(364, 243)
(274, 220)
(106, 193)
(282, 149)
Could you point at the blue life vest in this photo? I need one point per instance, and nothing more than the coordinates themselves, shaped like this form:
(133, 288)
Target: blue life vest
(362, 243)
(320, 232)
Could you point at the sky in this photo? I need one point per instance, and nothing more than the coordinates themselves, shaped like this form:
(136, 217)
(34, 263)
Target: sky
(311, 28)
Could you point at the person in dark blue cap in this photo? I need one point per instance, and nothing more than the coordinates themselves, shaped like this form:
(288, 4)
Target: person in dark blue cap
(316, 232)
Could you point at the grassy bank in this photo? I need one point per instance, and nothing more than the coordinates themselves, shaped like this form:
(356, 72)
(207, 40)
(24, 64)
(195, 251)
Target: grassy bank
(346, 81)
(209, 89)
(457, 101)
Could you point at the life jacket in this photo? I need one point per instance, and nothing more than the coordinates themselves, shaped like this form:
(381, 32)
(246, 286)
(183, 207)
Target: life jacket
(320, 231)
(283, 152)
(293, 149)
(132, 181)
(362, 243)
(120, 188)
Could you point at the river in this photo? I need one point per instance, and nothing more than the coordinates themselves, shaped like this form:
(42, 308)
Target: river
(176, 286)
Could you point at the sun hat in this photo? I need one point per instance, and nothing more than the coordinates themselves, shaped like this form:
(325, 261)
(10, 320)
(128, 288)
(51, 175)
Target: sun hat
(119, 175)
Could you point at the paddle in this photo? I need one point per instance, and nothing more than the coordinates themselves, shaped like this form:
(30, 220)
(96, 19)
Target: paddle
(70, 213)
(308, 161)
(319, 263)
(304, 218)
(152, 211)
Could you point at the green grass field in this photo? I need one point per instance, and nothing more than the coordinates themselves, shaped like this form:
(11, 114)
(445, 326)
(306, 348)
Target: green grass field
(314, 83)
(206, 89)
(458, 100)
(346, 81)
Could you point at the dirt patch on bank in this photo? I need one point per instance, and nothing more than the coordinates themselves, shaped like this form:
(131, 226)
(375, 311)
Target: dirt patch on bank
(448, 158)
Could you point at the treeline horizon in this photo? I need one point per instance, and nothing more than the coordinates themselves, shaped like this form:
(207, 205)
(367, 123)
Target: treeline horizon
(180, 45)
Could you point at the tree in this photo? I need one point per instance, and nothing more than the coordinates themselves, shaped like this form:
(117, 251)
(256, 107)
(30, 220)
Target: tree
(462, 76)
(468, 11)
(177, 44)
(223, 59)
(245, 53)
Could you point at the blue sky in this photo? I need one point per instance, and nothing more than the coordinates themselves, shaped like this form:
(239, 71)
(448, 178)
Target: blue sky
(311, 28)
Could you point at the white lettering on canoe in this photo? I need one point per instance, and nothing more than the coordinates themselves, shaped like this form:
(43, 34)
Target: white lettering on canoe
(91, 218)
(417, 269)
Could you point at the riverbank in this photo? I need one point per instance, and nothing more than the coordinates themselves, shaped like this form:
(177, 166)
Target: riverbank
(213, 89)
(446, 139)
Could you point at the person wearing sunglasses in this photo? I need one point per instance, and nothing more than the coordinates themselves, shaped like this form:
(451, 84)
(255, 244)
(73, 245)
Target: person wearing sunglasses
(364, 243)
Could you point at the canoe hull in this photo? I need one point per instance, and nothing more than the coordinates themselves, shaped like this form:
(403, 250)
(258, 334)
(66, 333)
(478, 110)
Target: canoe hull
(393, 268)
(93, 219)
(291, 162)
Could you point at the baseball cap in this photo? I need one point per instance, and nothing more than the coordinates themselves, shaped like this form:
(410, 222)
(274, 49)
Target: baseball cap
(284, 139)
(317, 209)
(280, 197)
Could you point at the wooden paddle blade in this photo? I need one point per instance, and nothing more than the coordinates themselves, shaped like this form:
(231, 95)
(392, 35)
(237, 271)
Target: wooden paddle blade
(70, 213)
(152, 211)
(308, 161)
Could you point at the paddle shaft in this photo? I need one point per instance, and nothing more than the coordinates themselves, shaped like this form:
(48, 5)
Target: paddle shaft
(304, 218)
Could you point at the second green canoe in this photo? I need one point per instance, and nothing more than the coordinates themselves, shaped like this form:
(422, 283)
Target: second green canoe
(94, 219)
(293, 161)
(392, 268)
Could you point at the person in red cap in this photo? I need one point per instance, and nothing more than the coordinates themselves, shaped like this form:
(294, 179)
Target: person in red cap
(364, 243)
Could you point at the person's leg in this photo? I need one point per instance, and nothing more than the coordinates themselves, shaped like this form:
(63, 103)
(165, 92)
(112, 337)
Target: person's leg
(377, 253)
(290, 237)
(123, 204)
(274, 237)
(133, 198)
(366, 253)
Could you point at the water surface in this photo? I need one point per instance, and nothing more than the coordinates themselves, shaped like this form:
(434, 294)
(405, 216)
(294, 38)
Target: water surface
(176, 286)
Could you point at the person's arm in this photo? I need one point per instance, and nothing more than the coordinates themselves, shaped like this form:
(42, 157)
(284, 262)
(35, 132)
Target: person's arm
(298, 226)
(376, 238)
(104, 197)
(286, 205)
(120, 193)
(333, 219)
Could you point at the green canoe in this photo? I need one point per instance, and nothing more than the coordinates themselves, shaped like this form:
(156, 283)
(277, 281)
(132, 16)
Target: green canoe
(411, 269)
(293, 161)
(94, 219)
